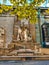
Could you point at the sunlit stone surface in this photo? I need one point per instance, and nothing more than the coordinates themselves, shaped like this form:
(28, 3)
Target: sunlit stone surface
(7, 23)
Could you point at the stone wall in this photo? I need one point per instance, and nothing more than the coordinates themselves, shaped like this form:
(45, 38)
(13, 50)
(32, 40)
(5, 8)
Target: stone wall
(7, 23)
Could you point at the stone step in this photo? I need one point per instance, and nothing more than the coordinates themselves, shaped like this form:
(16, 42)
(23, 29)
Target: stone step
(21, 45)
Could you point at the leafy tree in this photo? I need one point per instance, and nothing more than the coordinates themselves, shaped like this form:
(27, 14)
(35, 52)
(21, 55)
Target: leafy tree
(47, 11)
(23, 9)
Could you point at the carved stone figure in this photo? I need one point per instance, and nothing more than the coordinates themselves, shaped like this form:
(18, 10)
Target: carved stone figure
(19, 34)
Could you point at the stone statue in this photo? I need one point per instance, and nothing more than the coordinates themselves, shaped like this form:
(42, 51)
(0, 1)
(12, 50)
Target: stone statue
(19, 34)
(25, 34)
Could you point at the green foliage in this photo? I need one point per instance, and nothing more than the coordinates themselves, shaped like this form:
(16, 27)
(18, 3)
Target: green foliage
(23, 9)
(5, 8)
(47, 11)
